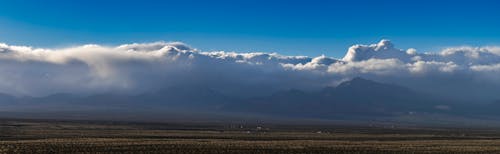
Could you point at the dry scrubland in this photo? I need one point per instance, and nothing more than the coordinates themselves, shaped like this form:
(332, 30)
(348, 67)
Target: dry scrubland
(36, 136)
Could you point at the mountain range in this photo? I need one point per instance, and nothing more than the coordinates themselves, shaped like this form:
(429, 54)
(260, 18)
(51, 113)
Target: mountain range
(353, 99)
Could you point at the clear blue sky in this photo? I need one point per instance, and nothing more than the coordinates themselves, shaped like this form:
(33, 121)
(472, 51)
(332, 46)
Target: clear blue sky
(309, 27)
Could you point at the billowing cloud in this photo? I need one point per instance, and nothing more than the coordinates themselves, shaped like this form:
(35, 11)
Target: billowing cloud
(138, 68)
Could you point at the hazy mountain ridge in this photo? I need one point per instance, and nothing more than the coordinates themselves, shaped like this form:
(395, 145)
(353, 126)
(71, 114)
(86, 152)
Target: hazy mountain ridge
(357, 97)
(351, 99)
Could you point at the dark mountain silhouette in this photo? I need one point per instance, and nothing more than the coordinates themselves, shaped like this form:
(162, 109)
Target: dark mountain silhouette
(185, 97)
(355, 98)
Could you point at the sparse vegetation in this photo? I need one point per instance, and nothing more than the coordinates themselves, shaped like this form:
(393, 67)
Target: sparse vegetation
(99, 137)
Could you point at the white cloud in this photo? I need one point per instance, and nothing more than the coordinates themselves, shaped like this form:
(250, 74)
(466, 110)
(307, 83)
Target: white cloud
(149, 66)
(383, 50)
(135, 68)
(423, 67)
(375, 66)
(486, 68)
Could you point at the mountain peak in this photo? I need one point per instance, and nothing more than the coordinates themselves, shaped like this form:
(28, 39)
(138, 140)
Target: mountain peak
(365, 86)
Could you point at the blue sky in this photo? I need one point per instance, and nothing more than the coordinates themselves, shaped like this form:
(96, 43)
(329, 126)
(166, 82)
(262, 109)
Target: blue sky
(310, 27)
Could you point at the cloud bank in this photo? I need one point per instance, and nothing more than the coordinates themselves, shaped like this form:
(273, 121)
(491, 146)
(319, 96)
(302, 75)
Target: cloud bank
(138, 68)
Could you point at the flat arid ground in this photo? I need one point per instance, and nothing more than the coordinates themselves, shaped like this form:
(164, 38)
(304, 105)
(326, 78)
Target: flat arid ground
(52, 136)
